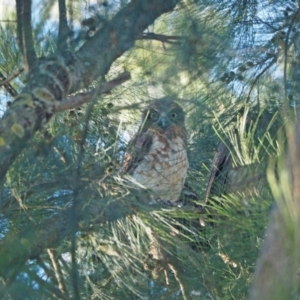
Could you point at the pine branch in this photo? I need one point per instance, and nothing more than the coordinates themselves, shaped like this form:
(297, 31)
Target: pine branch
(24, 33)
(10, 78)
(5, 82)
(170, 39)
(34, 107)
(58, 273)
(48, 286)
(34, 239)
(81, 98)
(63, 28)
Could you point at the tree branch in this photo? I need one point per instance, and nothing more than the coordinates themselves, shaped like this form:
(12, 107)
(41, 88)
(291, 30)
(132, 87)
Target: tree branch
(24, 33)
(81, 98)
(72, 72)
(277, 270)
(48, 286)
(5, 82)
(63, 28)
(57, 271)
(170, 39)
(274, 268)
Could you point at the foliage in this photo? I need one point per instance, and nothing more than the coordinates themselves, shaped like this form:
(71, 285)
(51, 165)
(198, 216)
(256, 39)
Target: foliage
(233, 67)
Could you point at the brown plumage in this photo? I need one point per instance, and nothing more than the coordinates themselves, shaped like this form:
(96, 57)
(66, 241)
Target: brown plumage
(157, 157)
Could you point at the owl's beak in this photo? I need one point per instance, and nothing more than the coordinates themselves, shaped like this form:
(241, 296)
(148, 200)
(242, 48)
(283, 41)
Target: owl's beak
(163, 121)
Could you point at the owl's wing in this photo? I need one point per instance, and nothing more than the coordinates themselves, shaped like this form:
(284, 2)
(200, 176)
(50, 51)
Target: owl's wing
(137, 149)
(221, 158)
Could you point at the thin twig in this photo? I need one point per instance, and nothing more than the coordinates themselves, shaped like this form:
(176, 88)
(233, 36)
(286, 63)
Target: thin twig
(171, 39)
(48, 286)
(184, 296)
(8, 21)
(57, 271)
(81, 98)
(266, 23)
(10, 78)
(49, 272)
(73, 209)
(259, 75)
(7, 85)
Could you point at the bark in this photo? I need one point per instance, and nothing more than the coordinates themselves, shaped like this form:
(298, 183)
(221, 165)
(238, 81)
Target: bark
(49, 82)
(277, 270)
(52, 79)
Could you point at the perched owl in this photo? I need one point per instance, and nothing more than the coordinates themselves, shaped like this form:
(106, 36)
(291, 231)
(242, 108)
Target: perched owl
(157, 157)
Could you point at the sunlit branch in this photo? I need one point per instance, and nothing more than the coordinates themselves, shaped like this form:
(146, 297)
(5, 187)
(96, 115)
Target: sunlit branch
(81, 98)
(175, 272)
(57, 270)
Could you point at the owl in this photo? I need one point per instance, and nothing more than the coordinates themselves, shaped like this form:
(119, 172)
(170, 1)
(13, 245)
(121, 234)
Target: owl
(157, 156)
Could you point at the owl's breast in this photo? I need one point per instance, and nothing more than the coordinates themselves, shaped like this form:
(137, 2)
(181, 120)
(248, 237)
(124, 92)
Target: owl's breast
(163, 169)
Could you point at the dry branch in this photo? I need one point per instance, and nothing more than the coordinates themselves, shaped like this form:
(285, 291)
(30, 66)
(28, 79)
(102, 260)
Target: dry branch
(81, 98)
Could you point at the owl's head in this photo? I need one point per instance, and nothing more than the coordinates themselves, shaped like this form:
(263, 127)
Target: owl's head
(163, 113)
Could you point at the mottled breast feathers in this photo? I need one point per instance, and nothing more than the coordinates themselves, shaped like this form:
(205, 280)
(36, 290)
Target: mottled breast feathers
(157, 157)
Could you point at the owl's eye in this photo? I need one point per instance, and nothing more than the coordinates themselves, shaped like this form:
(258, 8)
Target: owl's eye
(174, 115)
(154, 115)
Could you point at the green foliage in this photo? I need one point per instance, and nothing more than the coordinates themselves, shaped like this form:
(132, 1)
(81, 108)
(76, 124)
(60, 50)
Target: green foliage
(232, 74)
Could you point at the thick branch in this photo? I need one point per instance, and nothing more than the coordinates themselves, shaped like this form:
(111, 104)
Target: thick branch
(24, 33)
(277, 269)
(274, 270)
(120, 34)
(72, 72)
(36, 104)
(63, 28)
(31, 242)
(34, 239)
(81, 98)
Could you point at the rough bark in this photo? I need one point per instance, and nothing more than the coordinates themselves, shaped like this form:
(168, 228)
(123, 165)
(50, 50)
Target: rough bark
(52, 79)
(49, 83)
